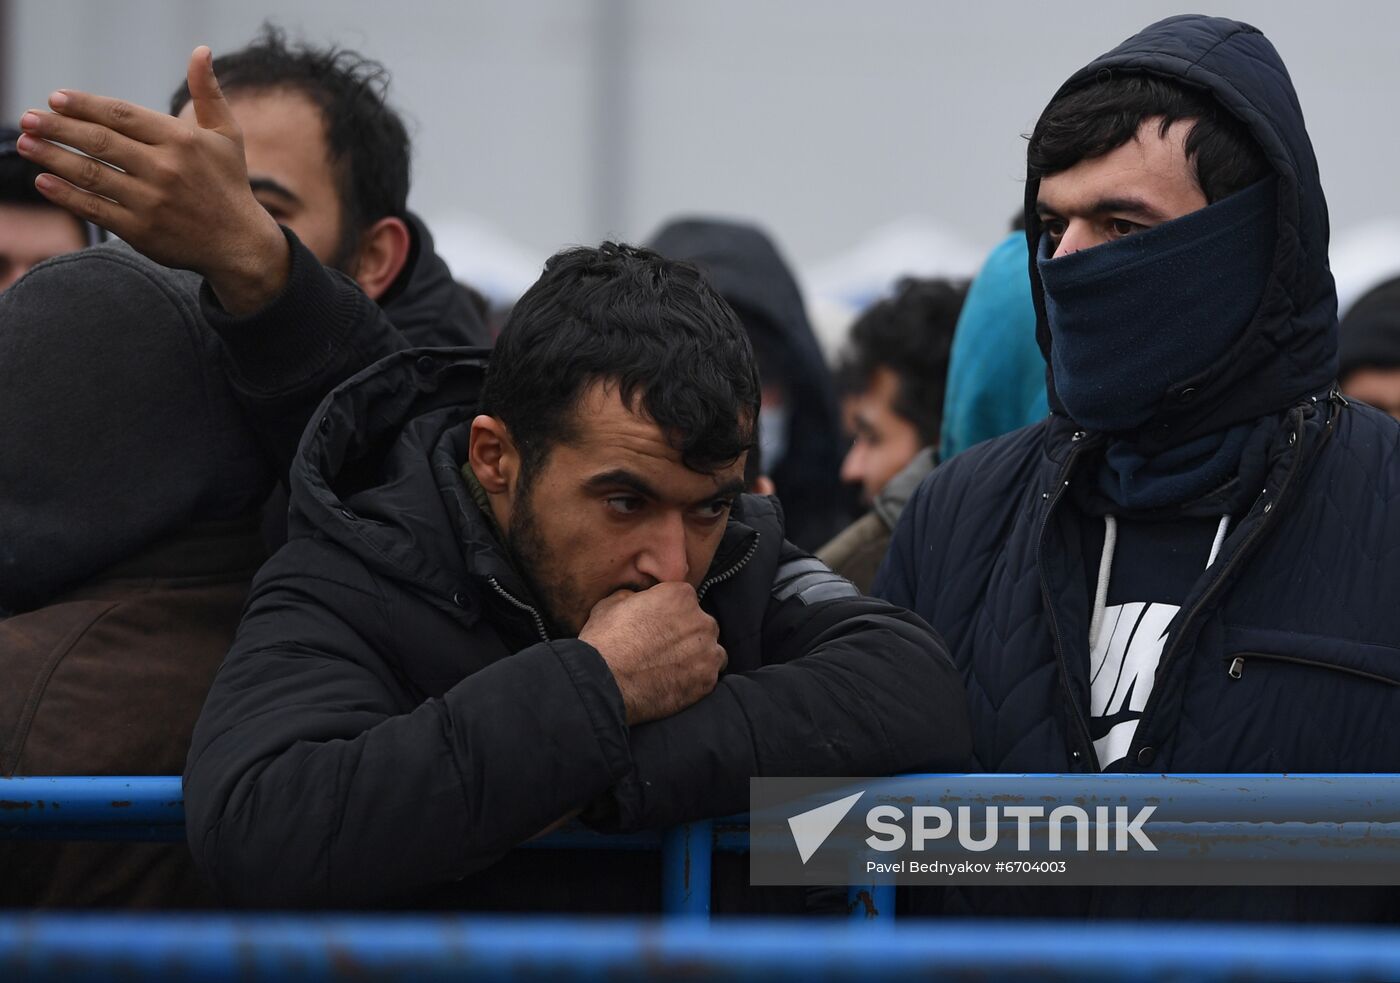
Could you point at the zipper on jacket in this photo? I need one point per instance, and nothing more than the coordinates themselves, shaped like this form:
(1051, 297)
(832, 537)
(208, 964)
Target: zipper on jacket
(1056, 637)
(539, 622)
(1236, 669)
(721, 577)
(1267, 518)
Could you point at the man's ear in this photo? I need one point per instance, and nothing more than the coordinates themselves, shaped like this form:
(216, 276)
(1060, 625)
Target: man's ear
(384, 250)
(495, 462)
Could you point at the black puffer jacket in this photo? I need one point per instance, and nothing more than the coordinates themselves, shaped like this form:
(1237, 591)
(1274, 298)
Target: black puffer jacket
(392, 719)
(1304, 588)
(426, 305)
(427, 308)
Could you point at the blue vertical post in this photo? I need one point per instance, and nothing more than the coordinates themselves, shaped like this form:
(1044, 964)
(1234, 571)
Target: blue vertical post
(872, 903)
(685, 869)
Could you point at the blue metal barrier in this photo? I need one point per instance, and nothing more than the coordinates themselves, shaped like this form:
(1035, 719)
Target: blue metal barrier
(685, 870)
(40, 947)
(131, 808)
(307, 949)
(151, 809)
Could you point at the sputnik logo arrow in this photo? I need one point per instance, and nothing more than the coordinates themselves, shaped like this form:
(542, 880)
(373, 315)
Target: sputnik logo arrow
(810, 829)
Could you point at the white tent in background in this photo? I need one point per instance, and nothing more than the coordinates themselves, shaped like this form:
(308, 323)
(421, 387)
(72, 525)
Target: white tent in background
(838, 289)
(483, 257)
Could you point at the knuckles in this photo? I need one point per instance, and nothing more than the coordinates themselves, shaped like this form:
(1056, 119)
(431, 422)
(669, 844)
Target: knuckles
(120, 112)
(165, 173)
(100, 144)
(92, 208)
(90, 173)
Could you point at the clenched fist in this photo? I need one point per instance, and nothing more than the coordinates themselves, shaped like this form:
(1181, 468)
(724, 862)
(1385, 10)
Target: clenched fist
(662, 649)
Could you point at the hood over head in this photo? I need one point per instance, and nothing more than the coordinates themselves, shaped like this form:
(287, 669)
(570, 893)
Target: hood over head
(744, 265)
(121, 428)
(996, 376)
(1289, 348)
(1371, 330)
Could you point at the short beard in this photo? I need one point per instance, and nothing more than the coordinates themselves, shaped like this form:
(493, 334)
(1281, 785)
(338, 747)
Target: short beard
(528, 553)
(347, 255)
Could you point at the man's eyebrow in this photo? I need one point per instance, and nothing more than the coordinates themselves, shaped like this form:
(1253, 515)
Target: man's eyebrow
(1133, 206)
(621, 478)
(273, 187)
(730, 488)
(1108, 206)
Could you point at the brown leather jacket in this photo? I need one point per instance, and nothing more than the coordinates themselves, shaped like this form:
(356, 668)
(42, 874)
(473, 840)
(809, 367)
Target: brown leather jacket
(108, 679)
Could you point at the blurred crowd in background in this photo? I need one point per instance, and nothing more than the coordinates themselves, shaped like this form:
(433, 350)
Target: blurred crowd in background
(864, 391)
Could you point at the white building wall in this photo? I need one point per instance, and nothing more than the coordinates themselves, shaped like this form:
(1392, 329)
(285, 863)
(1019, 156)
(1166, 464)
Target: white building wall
(564, 121)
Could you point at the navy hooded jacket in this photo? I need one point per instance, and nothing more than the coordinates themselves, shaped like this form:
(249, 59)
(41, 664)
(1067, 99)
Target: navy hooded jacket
(990, 551)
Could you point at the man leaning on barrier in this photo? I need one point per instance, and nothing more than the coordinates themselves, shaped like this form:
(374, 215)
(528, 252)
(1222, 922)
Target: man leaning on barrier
(516, 590)
(1191, 565)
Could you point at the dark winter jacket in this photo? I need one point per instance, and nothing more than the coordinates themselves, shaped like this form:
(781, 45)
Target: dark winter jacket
(127, 418)
(744, 266)
(130, 484)
(990, 550)
(392, 719)
(428, 309)
(427, 306)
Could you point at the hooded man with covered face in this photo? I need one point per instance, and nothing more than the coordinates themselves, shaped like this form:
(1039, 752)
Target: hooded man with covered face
(1189, 566)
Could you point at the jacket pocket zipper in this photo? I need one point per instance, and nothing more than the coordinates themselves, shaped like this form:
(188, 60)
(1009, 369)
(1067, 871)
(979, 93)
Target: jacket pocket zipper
(1236, 669)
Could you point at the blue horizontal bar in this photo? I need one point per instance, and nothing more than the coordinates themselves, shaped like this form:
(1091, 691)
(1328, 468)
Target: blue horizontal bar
(67, 802)
(215, 948)
(1208, 797)
(130, 807)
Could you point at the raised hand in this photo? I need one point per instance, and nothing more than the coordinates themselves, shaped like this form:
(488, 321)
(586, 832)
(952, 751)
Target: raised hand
(176, 192)
(662, 649)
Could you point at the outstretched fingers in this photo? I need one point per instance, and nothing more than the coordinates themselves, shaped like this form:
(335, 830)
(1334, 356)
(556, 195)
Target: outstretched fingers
(92, 139)
(83, 172)
(126, 118)
(92, 208)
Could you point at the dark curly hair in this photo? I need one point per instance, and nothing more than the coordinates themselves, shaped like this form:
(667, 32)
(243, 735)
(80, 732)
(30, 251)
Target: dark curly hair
(653, 326)
(367, 142)
(911, 334)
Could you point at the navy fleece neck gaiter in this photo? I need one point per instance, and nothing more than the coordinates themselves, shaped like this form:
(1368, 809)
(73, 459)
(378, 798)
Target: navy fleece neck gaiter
(1131, 317)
